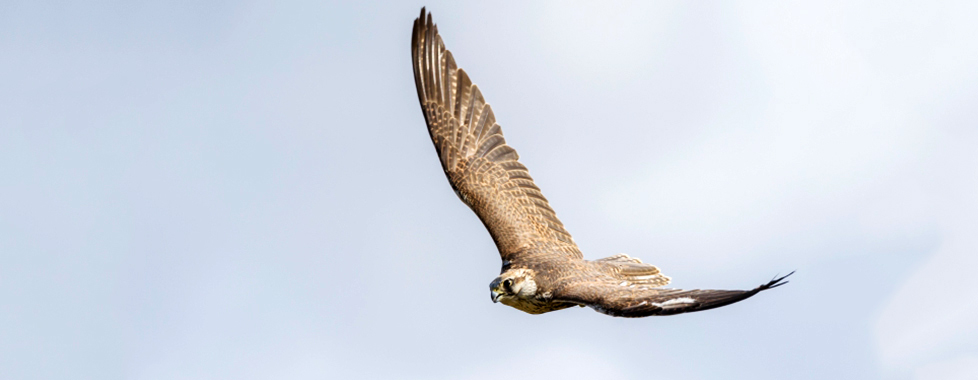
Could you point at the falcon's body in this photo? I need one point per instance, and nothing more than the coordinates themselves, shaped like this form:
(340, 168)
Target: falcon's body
(543, 270)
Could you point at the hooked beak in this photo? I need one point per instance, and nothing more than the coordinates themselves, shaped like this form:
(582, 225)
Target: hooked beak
(495, 296)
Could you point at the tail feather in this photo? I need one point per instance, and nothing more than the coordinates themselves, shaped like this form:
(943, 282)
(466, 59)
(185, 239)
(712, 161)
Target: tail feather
(632, 271)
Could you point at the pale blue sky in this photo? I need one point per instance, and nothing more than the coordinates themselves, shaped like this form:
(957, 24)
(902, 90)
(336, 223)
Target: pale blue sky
(224, 190)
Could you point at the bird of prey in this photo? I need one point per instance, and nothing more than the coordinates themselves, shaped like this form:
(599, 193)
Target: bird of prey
(542, 269)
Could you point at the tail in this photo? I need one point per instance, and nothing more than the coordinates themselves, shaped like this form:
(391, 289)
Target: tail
(632, 271)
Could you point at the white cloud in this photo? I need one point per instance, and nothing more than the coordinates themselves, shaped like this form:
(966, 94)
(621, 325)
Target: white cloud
(935, 312)
(826, 142)
(964, 367)
(607, 40)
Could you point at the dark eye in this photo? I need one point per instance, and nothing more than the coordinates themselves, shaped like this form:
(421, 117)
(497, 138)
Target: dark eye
(508, 285)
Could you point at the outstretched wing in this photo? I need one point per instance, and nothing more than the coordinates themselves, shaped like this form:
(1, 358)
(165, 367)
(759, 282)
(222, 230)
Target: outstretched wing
(481, 168)
(630, 300)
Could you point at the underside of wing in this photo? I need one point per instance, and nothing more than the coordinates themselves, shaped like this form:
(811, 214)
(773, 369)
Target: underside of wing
(483, 170)
(630, 300)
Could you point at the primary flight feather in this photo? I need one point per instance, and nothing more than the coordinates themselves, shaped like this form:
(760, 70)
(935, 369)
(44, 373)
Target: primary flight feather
(543, 270)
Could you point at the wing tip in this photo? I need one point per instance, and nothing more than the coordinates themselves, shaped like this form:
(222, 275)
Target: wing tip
(776, 282)
(423, 19)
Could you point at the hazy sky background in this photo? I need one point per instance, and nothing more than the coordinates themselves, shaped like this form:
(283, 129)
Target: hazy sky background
(229, 190)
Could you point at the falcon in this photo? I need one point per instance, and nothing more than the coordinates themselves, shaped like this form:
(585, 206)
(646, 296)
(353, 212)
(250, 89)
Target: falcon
(542, 268)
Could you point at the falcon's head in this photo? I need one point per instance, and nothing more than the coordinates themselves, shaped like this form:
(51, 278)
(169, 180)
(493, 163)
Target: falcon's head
(513, 286)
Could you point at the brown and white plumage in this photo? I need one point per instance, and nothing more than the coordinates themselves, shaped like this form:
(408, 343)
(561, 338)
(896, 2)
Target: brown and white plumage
(543, 269)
